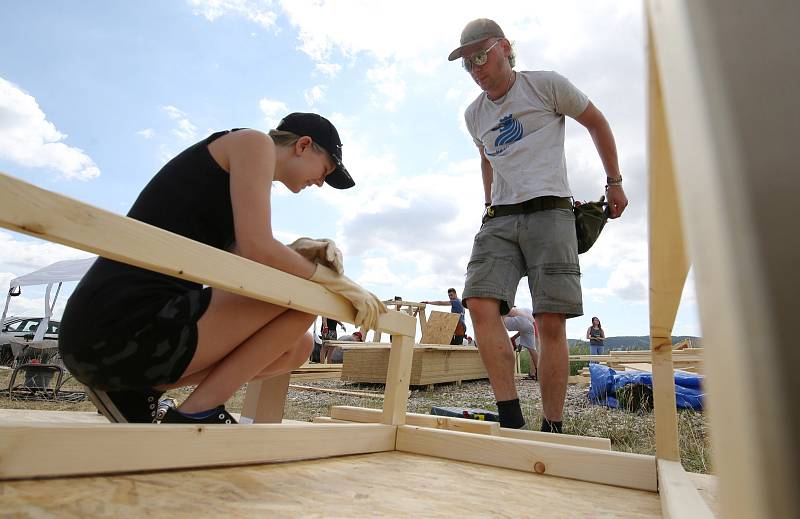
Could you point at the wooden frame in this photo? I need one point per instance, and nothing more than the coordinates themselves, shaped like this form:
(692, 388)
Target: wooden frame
(704, 169)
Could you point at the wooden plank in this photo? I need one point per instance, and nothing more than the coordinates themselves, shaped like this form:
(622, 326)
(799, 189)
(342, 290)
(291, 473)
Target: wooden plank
(265, 400)
(363, 415)
(639, 366)
(733, 157)
(397, 380)
(679, 495)
(327, 419)
(440, 328)
(595, 465)
(430, 365)
(668, 267)
(116, 448)
(34, 211)
(363, 394)
(360, 414)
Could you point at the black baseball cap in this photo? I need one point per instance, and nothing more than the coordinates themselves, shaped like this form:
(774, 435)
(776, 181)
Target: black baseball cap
(325, 135)
(475, 31)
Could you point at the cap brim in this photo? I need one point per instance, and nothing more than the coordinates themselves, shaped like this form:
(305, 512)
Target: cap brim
(459, 52)
(340, 178)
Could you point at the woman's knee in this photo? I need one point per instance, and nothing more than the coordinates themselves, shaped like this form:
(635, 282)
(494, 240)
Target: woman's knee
(304, 346)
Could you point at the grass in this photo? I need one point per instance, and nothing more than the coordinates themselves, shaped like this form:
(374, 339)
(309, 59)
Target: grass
(628, 432)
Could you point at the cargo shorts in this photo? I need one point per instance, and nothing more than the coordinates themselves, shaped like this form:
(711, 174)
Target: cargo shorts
(541, 246)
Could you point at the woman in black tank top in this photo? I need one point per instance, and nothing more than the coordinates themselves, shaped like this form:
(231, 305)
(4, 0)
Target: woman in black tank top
(129, 334)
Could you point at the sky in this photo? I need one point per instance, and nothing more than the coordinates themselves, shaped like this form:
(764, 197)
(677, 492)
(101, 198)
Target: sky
(95, 97)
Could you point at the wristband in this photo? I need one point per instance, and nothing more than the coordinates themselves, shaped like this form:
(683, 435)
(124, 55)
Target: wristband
(611, 181)
(487, 204)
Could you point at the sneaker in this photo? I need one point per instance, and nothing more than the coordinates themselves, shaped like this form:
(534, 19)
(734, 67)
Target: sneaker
(163, 405)
(219, 416)
(127, 406)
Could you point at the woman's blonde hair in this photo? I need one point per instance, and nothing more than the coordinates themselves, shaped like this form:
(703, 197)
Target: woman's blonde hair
(286, 139)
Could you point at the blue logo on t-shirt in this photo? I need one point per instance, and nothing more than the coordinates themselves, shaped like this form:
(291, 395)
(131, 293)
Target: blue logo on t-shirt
(510, 132)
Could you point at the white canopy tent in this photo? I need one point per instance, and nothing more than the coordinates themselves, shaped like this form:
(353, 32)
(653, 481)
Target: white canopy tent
(56, 273)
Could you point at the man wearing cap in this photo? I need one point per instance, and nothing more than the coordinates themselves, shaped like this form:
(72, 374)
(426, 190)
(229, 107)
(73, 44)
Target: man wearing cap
(518, 124)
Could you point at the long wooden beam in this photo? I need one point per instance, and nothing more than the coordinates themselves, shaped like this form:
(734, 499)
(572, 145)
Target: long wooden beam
(679, 495)
(363, 415)
(736, 164)
(114, 448)
(34, 211)
(595, 465)
(668, 265)
(398, 378)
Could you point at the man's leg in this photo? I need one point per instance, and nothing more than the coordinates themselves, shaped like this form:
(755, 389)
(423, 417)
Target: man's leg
(494, 346)
(497, 354)
(553, 364)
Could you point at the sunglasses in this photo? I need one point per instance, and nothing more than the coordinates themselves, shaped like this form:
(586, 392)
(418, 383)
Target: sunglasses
(479, 58)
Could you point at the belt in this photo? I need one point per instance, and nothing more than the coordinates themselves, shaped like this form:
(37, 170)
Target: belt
(540, 203)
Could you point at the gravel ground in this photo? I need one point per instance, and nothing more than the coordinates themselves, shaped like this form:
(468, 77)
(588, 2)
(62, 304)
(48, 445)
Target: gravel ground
(629, 432)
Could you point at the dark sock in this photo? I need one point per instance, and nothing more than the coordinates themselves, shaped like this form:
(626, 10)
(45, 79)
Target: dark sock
(200, 415)
(550, 426)
(510, 414)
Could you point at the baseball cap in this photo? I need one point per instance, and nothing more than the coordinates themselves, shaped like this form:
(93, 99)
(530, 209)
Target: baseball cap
(325, 135)
(475, 31)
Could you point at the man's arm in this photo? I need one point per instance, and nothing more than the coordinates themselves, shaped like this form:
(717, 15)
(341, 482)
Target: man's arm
(598, 128)
(436, 303)
(487, 173)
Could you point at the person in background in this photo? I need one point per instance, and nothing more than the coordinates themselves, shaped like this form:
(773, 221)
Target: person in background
(336, 354)
(595, 336)
(329, 332)
(457, 308)
(521, 320)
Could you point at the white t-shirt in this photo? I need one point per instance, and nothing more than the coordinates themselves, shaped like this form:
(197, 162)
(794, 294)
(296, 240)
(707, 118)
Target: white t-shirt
(522, 135)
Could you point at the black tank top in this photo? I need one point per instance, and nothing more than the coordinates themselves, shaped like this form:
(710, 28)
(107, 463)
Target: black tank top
(189, 196)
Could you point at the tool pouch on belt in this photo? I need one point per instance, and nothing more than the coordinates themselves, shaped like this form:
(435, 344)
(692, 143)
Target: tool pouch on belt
(590, 218)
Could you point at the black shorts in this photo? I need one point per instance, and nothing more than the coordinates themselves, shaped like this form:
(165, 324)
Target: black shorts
(144, 346)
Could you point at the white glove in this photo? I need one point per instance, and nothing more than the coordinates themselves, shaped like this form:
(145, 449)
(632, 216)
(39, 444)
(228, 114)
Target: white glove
(367, 304)
(322, 251)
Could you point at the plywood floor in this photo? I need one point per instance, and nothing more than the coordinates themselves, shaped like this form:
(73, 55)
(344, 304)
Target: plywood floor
(389, 484)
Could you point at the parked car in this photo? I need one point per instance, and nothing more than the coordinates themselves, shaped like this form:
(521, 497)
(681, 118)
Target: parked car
(24, 328)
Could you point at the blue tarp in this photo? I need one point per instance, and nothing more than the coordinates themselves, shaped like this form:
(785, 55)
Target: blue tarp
(606, 382)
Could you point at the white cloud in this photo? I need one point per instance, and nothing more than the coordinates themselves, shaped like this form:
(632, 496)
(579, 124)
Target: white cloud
(390, 89)
(420, 232)
(29, 139)
(273, 111)
(376, 271)
(20, 255)
(147, 133)
(329, 69)
(258, 11)
(185, 131)
(314, 94)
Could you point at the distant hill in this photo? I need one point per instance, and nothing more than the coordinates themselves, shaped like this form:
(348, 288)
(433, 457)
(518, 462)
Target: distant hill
(631, 342)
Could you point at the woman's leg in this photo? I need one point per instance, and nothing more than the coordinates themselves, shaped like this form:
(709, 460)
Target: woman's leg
(240, 339)
(534, 367)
